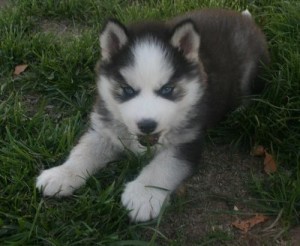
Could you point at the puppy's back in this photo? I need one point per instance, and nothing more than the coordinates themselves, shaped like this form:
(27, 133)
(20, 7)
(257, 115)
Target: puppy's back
(233, 50)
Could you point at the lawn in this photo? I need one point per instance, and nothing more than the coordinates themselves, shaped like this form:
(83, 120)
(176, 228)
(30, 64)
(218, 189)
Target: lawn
(43, 112)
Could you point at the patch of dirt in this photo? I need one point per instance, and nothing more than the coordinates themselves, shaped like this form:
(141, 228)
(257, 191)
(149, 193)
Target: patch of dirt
(295, 236)
(217, 196)
(32, 106)
(3, 3)
(61, 28)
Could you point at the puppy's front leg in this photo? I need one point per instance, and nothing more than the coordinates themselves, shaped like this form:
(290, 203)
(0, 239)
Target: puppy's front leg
(145, 196)
(93, 151)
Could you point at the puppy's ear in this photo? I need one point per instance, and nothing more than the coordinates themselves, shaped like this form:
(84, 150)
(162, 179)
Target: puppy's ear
(112, 38)
(186, 38)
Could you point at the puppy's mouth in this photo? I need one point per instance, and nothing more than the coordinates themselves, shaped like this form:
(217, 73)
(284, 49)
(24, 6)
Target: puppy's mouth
(148, 140)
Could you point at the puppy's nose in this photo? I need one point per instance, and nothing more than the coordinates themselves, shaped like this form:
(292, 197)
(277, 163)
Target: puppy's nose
(147, 126)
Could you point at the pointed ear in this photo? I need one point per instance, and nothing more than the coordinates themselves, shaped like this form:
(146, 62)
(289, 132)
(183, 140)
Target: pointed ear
(112, 38)
(186, 38)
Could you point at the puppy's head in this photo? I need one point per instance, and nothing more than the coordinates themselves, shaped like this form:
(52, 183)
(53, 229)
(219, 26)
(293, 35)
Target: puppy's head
(150, 79)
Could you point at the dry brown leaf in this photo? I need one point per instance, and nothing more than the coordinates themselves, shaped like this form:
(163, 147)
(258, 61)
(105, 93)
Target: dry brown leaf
(270, 164)
(20, 69)
(258, 150)
(246, 225)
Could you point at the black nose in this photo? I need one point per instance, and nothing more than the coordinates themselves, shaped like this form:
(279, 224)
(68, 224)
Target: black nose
(147, 126)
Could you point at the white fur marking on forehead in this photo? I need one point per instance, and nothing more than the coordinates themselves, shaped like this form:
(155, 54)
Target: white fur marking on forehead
(151, 66)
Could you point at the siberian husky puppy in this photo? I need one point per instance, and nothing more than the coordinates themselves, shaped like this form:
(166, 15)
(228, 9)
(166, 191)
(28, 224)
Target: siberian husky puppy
(161, 84)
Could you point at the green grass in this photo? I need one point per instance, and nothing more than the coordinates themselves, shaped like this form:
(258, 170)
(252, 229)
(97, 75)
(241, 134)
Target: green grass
(44, 111)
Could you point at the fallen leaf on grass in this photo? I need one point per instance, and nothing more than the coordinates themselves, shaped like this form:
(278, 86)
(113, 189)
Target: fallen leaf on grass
(270, 164)
(246, 225)
(20, 69)
(258, 150)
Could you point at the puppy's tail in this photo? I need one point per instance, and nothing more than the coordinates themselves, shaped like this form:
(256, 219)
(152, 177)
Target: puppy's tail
(246, 13)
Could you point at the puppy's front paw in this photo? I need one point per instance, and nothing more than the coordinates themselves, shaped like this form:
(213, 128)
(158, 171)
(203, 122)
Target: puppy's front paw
(143, 202)
(58, 181)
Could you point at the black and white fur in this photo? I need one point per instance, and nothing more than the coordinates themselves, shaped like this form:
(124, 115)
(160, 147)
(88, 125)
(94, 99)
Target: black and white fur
(167, 81)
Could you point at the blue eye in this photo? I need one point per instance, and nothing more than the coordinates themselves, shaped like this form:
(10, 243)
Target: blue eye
(125, 92)
(128, 91)
(166, 90)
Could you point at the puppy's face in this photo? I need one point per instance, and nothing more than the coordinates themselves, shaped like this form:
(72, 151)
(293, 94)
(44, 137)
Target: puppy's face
(149, 84)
